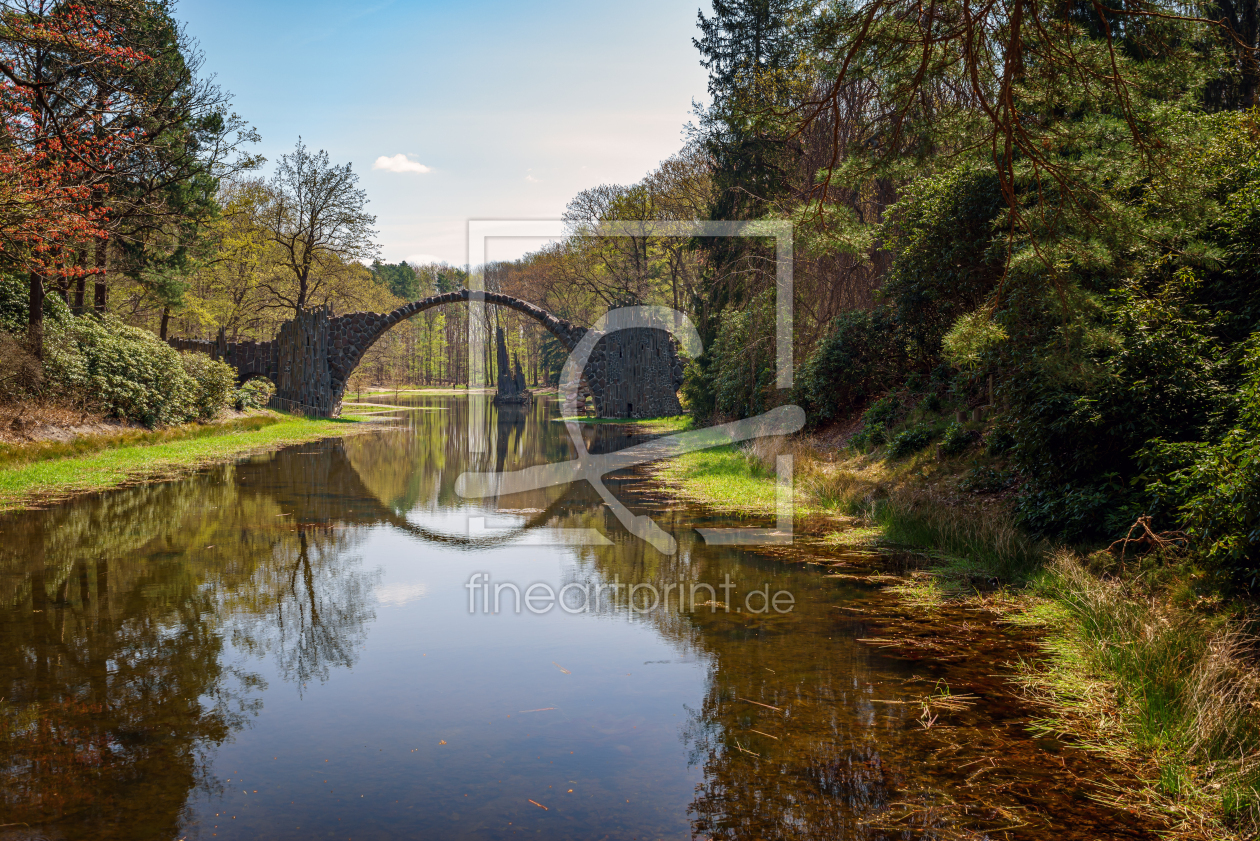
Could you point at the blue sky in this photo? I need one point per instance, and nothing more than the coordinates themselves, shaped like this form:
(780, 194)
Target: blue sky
(511, 107)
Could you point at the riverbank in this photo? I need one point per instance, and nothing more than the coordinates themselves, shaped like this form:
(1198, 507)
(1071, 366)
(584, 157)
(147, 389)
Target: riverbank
(1142, 660)
(659, 426)
(39, 472)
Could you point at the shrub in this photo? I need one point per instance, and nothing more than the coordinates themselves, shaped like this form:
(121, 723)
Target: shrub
(932, 403)
(129, 372)
(1215, 488)
(132, 374)
(1075, 513)
(857, 359)
(20, 372)
(213, 384)
(998, 441)
(910, 441)
(972, 337)
(987, 480)
(957, 440)
(882, 413)
(946, 260)
(14, 302)
(740, 366)
(255, 394)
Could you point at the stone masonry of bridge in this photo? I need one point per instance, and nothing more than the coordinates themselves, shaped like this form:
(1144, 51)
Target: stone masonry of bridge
(631, 373)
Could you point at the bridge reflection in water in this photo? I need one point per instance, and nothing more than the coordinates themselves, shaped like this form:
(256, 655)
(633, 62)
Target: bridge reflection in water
(282, 648)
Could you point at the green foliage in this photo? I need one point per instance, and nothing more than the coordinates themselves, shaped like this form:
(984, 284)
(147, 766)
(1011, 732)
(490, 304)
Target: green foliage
(945, 262)
(882, 413)
(1214, 488)
(910, 441)
(131, 374)
(1079, 419)
(982, 479)
(399, 278)
(552, 356)
(741, 370)
(875, 422)
(956, 440)
(856, 360)
(15, 304)
(972, 338)
(998, 441)
(253, 395)
(213, 384)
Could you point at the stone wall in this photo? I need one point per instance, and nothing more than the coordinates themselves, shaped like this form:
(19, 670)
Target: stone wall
(303, 375)
(635, 373)
(250, 358)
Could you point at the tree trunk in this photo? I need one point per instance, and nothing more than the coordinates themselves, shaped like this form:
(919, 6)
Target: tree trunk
(35, 316)
(98, 291)
(166, 318)
(80, 283)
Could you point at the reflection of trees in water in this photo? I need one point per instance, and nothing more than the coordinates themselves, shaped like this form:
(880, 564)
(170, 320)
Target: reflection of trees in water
(114, 612)
(820, 782)
(829, 770)
(416, 464)
(321, 604)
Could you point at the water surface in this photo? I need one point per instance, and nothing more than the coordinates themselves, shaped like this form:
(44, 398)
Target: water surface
(283, 648)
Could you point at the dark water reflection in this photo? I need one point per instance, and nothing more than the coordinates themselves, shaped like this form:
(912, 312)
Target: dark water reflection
(283, 648)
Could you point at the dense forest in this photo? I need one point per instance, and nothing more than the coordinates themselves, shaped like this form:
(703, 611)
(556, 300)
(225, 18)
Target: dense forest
(1023, 229)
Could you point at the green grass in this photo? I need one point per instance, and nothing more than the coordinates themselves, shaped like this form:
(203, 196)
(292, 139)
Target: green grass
(1156, 684)
(968, 543)
(676, 423)
(725, 478)
(52, 470)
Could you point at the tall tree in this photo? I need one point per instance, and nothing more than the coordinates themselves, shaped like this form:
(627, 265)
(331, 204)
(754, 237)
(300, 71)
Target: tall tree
(163, 196)
(318, 218)
(59, 136)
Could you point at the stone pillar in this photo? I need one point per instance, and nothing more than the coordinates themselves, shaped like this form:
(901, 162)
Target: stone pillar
(303, 382)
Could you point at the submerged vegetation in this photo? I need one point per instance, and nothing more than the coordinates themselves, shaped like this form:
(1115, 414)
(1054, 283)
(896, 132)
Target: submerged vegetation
(1142, 661)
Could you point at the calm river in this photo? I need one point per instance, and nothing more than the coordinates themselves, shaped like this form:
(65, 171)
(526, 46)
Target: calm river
(283, 648)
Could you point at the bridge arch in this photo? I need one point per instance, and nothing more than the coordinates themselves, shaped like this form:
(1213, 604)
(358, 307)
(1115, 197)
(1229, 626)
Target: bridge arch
(351, 335)
(630, 373)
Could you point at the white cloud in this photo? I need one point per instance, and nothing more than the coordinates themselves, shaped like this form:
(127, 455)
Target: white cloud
(399, 163)
(400, 594)
(532, 180)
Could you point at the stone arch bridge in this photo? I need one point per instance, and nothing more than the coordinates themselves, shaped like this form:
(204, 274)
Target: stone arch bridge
(631, 373)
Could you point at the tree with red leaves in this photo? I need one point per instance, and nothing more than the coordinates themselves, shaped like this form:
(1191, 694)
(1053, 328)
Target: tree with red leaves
(58, 138)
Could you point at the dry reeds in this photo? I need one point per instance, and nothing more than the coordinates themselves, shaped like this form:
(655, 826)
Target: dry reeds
(981, 538)
(1176, 690)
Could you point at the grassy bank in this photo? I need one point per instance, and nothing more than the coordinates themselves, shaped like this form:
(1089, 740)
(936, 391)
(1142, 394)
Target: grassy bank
(43, 471)
(662, 425)
(1142, 660)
